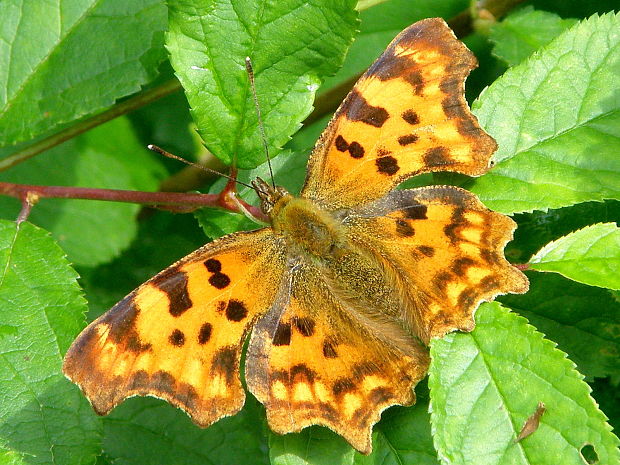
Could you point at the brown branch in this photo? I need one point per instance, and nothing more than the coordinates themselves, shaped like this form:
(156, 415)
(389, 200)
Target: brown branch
(171, 201)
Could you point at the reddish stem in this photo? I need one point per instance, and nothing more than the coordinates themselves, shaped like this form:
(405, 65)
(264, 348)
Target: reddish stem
(172, 201)
(521, 266)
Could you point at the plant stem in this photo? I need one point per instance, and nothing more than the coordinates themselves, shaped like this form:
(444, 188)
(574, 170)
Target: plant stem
(171, 201)
(131, 104)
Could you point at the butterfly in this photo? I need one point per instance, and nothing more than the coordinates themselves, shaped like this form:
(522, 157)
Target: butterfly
(342, 292)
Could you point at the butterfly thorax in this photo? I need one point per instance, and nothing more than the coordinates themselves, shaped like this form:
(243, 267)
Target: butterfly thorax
(308, 229)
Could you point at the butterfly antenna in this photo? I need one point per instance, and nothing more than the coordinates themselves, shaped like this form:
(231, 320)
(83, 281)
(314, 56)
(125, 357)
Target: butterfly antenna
(250, 71)
(161, 151)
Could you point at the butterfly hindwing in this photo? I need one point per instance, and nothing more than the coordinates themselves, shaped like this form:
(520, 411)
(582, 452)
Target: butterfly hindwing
(405, 116)
(447, 249)
(179, 335)
(310, 363)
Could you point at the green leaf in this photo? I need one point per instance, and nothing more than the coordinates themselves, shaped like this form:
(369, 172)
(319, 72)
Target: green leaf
(556, 118)
(485, 384)
(583, 320)
(293, 45)
(149, 431)
(61, 60)
(523, 32)
(590, 256)
(43, 417)
(110, 157)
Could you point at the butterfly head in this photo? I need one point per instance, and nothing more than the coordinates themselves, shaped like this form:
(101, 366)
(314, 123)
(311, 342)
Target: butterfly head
(269, 195)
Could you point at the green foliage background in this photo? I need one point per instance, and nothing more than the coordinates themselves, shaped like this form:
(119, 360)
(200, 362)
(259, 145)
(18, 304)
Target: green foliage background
(546, 89)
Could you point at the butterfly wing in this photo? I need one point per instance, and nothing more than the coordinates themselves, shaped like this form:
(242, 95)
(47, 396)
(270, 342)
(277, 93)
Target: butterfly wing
(405, 116)
(310, 363)
(447, 250)
(179, 336)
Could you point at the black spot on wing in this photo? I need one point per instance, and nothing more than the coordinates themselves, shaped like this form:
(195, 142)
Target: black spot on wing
(387, 165)
(354, 148)
(205, 333)
(415, 211)
(236, 310)
(460, 265)
(403, 228)
(380, 395)
(213, 265)
(426, 250)
(414, 78)
(360, 110)
(408, 139)
(467, 298)
(282, 337)
(219, 280)
(121, 320)
(329, 350)
(342, 386)
(441, 280)
(301, 372)
(341, 144)
(437, 156)
(174, 283)
(457, 221)
(225, 363)
(411, 117)
(177, 338)
(304, 325)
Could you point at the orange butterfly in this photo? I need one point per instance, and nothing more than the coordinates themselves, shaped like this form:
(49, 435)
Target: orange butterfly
(348, 284)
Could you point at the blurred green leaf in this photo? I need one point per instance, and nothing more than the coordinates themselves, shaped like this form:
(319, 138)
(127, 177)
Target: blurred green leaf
(606, 391)
(312, 446)
(523, 32)
(538, 228)
(164, 238)
(485, 384)
(403, 436)
(293, 45)
(557, 121)
(590, 256)
(60, 61)
(580, 9)
(151, 432)
(583, 320)
(43, 418)
(108, 157)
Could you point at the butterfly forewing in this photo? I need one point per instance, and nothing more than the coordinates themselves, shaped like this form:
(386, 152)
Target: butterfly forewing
(179, 336)
(405, 116)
